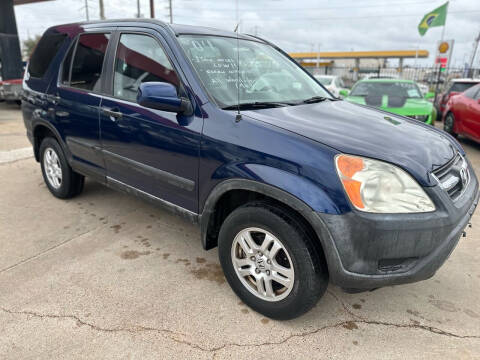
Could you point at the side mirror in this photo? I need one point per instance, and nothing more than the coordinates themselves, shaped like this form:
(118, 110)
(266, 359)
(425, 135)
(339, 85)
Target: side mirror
(162, 96)
(429, 95)
(344, 92)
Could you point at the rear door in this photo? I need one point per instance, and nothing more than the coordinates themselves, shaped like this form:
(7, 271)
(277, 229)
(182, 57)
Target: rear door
(150, 150)
(77, 96)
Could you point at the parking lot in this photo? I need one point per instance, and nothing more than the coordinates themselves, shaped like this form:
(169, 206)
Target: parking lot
(106, 275)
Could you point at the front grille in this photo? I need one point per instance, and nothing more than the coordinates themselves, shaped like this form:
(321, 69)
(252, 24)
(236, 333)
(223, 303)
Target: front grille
(454, 176)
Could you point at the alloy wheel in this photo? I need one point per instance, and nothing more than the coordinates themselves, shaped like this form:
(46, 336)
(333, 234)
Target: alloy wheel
(263, 264)
(52, 167)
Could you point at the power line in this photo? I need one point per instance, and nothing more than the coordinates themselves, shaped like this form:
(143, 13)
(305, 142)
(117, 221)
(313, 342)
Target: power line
(290, 10)
(350, 18)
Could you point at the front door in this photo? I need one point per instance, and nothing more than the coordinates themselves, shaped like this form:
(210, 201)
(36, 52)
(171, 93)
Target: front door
(150, 150)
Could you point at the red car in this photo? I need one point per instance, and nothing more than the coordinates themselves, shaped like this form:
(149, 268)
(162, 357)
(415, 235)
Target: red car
(462, 114)
(454, 87)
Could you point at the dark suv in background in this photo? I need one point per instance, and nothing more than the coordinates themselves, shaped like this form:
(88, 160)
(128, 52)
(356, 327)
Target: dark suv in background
(295, 186)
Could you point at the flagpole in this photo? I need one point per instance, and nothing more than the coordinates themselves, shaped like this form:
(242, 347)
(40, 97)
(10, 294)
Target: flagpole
(441, 40)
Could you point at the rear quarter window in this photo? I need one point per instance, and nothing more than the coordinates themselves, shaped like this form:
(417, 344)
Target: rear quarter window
(44, 53)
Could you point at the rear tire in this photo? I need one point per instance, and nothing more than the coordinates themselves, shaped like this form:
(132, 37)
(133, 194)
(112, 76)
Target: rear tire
(270, 262)
(449, 124)
(61, 180)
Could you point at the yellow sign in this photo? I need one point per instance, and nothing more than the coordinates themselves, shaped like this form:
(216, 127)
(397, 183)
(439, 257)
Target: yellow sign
(443, 47)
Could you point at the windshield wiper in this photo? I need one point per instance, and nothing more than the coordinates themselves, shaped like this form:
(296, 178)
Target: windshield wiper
(256, 105)
(316, 99)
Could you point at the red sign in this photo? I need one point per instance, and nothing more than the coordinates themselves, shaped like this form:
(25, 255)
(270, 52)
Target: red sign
(442, 61)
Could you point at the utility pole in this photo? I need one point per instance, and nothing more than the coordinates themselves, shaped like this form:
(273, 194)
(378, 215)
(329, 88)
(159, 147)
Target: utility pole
(152, 10)
(237, 25)
(102, 9)
(472, 57)
(86, 10)
(170, 11)
(138, 9)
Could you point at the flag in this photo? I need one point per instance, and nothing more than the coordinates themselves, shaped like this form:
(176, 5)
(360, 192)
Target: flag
(436, 17)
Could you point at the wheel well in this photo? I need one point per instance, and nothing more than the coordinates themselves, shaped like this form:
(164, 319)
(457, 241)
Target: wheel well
(39, 133)
(233, 199)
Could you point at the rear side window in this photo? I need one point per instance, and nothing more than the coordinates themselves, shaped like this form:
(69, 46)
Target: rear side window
(66, 66)
(88, 61)
(140, 59)
(44, 53)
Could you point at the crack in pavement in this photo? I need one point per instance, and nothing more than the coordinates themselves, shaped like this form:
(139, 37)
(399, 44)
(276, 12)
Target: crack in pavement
(345, 307)
(175, 336)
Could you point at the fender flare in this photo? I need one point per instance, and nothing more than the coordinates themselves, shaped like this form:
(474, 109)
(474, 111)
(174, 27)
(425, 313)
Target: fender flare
(40, 122)
(314, 218)
(271, 191)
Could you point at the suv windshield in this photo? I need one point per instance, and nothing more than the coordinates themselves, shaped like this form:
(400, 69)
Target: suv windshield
(265, 76)
(324, 80)
(393, 89)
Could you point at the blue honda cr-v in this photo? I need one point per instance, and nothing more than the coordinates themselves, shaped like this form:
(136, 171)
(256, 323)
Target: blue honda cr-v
(295, 186)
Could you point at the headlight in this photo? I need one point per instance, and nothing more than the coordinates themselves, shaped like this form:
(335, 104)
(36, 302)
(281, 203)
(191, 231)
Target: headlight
(378, 187)
(420, 117)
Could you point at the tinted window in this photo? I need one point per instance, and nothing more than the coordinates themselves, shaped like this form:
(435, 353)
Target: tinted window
(461, 87)
(470, 93)
(140, 59)
(66, 65)
(88, 61)
(44, 53)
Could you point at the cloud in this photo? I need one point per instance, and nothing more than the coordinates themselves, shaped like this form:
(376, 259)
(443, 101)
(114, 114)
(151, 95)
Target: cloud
(339, 25)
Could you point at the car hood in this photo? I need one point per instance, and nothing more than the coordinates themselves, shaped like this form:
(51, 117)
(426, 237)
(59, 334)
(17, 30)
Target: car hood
(397, 105)
(364, 131)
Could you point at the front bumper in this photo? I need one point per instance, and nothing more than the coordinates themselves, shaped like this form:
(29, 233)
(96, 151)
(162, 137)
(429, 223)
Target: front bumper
(367, 251)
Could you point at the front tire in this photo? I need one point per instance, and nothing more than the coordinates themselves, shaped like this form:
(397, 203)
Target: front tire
(449, 124)
(61, 180)
(270, 262)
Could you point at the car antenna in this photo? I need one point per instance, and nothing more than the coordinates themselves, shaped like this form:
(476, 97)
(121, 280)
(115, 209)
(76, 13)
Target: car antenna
(239, 116)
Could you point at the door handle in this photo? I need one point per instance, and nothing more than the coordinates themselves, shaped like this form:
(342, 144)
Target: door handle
(112, 113)
(54, 99)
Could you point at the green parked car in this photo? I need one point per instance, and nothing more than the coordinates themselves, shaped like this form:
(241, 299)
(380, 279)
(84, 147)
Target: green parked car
(402, 97)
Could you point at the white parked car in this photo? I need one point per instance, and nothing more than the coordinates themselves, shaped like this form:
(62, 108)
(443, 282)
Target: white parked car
(333, 83)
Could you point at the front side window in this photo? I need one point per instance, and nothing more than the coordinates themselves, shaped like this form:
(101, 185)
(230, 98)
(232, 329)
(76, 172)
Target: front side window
(88, 61)
(140, 58)
(237, 69)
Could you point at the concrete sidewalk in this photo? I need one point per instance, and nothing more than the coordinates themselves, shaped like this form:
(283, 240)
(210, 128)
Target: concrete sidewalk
(106, 275)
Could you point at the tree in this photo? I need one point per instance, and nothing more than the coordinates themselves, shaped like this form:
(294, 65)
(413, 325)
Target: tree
(28, 45)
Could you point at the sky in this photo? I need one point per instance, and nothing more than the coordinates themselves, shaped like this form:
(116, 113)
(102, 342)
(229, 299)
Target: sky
(295, 26)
